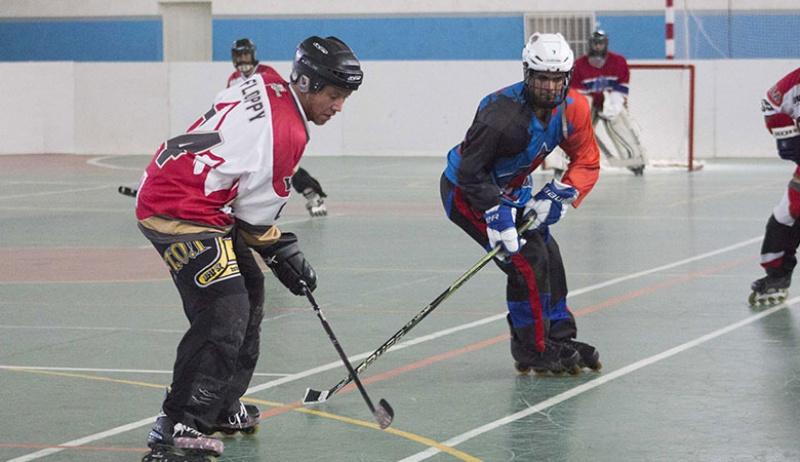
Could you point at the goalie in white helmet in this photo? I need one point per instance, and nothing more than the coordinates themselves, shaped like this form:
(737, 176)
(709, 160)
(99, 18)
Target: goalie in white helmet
(487, 191)
(603, 77)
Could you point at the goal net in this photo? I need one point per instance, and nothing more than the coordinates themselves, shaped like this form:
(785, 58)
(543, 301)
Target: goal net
(661, 104)
(661, 109)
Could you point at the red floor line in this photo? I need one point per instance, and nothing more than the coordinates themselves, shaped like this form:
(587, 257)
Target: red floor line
(491, 341)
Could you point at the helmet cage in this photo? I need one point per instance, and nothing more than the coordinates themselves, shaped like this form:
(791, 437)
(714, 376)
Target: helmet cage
(240, 48)
(536, 92)
(598, 44)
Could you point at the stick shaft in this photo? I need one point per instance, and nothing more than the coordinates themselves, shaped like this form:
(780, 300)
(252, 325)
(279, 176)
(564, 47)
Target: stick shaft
(340, 350)
(424, 313)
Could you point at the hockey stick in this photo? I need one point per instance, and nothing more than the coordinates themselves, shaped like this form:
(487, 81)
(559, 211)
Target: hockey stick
(126, 191)
(320, 396)
(384, 412)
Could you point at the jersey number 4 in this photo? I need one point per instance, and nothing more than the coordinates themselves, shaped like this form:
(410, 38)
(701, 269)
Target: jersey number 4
(189, 142)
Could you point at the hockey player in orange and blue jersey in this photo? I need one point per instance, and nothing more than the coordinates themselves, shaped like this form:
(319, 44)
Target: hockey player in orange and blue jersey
(781, 108)
(486, 190)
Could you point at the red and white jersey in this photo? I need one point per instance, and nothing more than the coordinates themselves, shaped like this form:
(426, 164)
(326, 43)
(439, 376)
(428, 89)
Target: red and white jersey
(235, 160)
(781, 107)
(236, 77)
(592, 81)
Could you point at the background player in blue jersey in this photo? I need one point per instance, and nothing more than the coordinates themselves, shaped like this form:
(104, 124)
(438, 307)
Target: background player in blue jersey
(486, 189)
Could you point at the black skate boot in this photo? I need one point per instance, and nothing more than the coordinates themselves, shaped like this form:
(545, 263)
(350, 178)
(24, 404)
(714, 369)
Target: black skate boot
(555, 358)
(589, 356)
(769, 291)
(638, 170)
(245, 421)
(175, 442)
(314, 203)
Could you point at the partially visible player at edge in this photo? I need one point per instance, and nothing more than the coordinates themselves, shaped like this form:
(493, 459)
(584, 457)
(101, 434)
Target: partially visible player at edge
(781, 109)
(209, 196)
(604, 76)
(486, 191)
(243, 54)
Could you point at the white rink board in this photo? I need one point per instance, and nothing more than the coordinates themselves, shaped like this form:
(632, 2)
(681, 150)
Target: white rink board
(408, 108)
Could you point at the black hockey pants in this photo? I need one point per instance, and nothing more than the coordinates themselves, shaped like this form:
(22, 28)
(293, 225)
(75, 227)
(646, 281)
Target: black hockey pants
(222, 290)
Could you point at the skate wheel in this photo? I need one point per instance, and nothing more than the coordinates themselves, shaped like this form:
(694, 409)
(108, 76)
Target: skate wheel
(522, 370)
(250, 431)
(574, 371)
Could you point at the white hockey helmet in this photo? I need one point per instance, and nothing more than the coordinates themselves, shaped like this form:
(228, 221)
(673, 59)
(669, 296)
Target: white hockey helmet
(549, 53)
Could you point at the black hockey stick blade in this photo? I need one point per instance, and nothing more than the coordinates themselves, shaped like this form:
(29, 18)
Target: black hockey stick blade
(126, 191)
(384, 414)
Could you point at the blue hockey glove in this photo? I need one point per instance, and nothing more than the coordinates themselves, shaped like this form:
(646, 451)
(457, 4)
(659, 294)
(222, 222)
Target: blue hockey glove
(500, 228)
(519, 196)
(550, 204)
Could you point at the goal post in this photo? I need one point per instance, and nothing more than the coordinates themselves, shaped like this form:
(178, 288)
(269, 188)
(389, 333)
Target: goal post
(661, 102)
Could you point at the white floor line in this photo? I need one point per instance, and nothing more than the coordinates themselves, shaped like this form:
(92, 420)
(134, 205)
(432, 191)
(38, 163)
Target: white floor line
(603, 379)
(51, 193)
(95, 328)
(100, 162)
(399, 346)
(102, 370)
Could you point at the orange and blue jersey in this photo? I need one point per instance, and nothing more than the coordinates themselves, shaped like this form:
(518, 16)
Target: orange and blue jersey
(507, 141)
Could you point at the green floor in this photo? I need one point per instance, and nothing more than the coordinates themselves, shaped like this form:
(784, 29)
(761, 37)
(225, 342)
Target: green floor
(659, 268)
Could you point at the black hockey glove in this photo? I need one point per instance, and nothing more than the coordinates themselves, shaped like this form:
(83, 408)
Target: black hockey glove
(789, 148)
(288, 264)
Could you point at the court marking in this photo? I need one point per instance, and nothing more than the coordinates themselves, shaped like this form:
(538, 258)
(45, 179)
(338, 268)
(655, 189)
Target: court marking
(50, 193)
(100, 162)
(114, 371)
(402, 345)
(603, 379)
(79, 444)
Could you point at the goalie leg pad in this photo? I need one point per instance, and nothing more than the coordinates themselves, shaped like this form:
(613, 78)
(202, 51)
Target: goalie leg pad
(289, 264)
(625, 137)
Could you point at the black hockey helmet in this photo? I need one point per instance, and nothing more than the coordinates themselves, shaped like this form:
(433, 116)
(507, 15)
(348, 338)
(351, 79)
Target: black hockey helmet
(242, 47)
(325, 61)
(598, 44)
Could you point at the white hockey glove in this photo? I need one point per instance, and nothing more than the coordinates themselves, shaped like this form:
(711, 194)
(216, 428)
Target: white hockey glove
(613, 104)
(500, 228)
(314, 203)
(550, 204)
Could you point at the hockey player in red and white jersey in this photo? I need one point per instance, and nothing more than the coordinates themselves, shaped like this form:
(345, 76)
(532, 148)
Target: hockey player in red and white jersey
(603, 77)
(243, 54)
(781, 109)
(209, 196)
